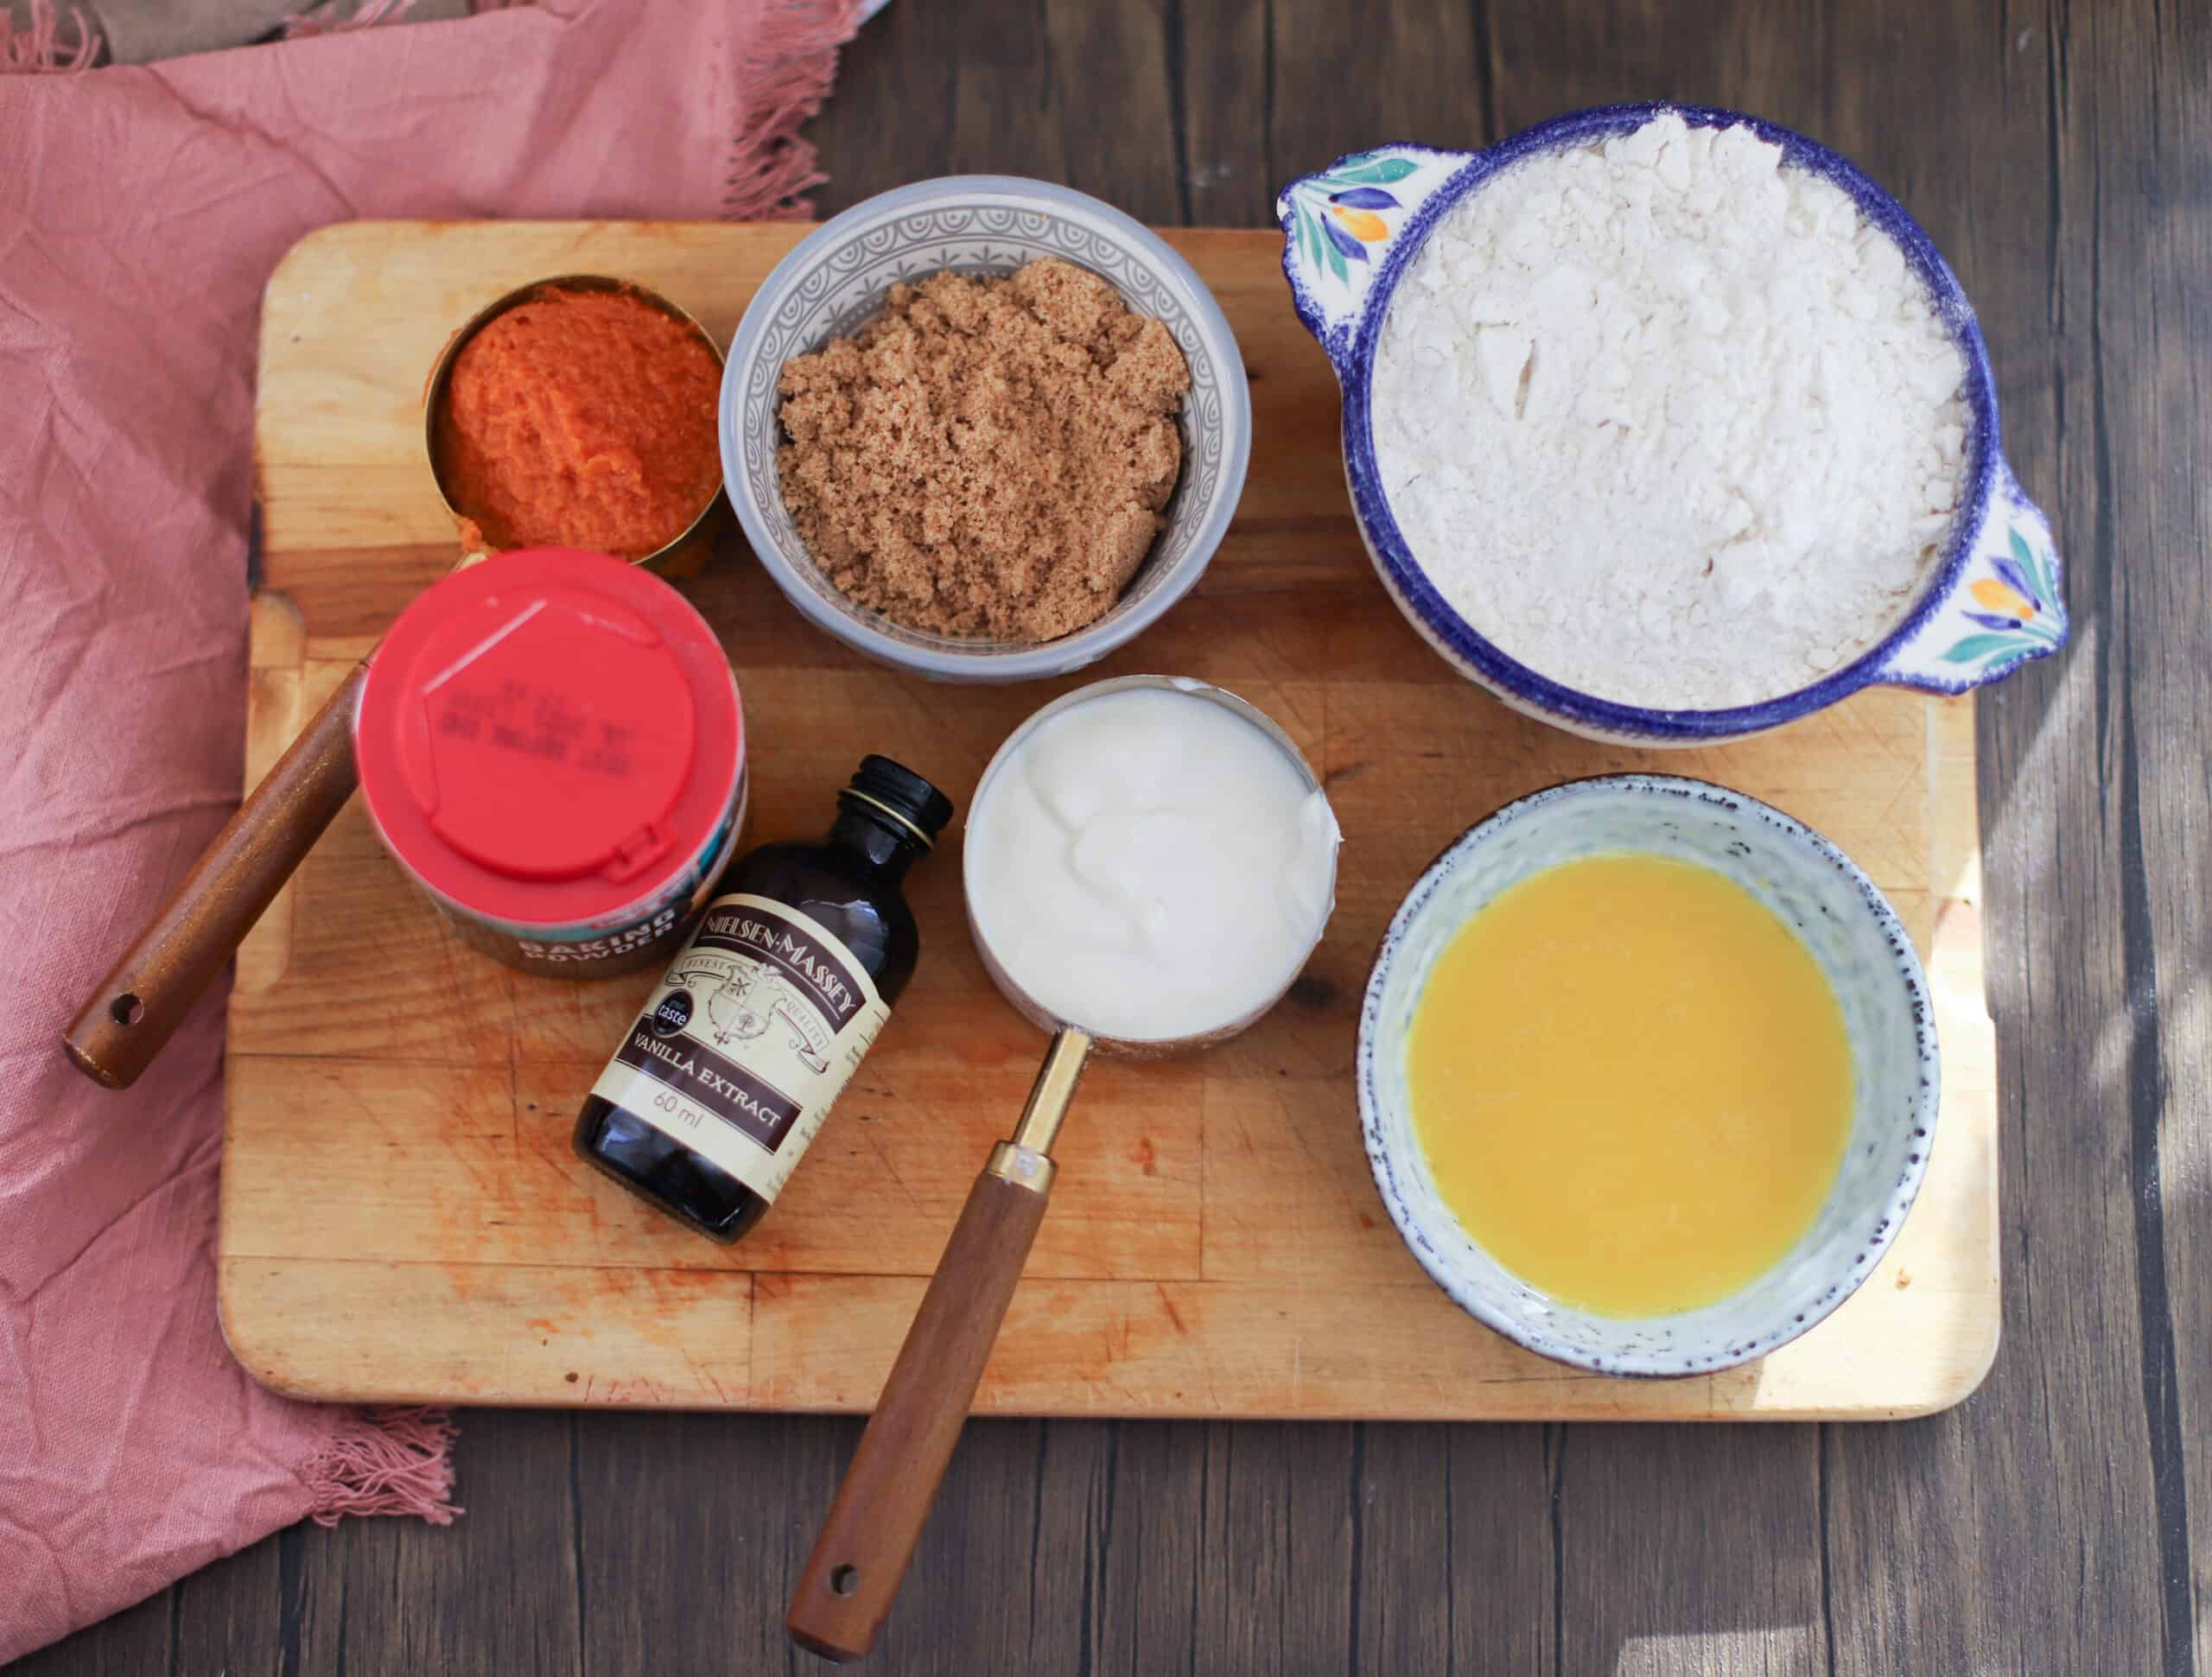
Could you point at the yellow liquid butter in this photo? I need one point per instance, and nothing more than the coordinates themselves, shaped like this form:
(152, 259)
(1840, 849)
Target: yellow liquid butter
(1632, 1082)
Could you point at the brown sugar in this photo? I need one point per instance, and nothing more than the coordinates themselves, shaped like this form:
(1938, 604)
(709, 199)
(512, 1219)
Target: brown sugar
(580, 419)
(987, 457)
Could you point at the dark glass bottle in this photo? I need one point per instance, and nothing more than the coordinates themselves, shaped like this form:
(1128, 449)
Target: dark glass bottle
(739, 1053)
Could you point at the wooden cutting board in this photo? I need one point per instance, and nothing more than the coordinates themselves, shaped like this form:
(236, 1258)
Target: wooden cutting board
(403, 1219)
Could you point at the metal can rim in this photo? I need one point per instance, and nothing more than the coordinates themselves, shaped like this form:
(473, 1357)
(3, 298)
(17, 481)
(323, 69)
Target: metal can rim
(441, 375)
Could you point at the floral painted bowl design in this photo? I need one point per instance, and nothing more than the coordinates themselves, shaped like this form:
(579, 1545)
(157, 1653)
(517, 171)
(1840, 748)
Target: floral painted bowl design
(1859, 945)
(835, 279)
(1993, 602)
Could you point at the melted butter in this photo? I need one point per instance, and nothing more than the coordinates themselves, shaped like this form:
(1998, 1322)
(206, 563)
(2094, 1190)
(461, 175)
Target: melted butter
(1632, 1082)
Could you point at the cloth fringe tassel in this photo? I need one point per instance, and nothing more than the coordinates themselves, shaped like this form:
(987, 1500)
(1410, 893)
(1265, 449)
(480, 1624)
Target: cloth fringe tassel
(39, 49)
(787, 70)
(386, 1461)
(332, 18)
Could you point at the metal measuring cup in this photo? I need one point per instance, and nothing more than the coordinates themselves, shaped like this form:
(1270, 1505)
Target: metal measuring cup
(124, 1023)
(681, 555)
(861, 1554)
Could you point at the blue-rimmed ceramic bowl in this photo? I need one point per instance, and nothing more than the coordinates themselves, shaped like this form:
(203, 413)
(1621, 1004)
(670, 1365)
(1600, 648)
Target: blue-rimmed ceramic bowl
(835, 279)
(1994, 603)
(1861, 947)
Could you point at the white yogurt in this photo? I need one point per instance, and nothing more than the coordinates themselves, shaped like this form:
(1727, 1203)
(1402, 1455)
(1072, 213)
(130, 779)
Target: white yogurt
(1149, 864)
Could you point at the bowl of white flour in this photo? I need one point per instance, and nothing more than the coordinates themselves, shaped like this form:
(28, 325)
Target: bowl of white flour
(1667, 425)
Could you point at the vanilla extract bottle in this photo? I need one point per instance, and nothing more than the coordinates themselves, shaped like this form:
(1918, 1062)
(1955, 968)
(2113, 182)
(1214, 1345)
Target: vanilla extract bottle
(724, 1079)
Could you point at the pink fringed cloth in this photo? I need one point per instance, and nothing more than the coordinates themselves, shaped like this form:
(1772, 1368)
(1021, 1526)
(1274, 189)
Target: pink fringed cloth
(141, 209)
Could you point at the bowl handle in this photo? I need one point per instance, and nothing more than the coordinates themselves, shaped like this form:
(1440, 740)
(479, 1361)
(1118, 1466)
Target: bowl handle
(1337, 227)
(2007, 606)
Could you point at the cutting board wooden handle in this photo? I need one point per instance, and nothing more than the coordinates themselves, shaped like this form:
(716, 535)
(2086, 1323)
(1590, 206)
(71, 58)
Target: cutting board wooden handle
(846, 1592)
(135, 1011)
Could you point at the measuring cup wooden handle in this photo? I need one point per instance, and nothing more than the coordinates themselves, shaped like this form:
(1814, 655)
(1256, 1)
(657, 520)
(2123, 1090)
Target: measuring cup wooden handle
(129, 1019)
(853, 1573)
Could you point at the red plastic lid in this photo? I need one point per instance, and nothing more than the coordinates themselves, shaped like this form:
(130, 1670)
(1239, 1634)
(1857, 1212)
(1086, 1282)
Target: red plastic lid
(549, 736)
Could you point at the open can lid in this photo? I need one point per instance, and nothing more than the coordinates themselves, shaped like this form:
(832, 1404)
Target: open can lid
(549, 738)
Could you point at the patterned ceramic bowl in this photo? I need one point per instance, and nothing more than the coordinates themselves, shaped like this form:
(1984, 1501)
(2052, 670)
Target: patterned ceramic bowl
(1993, 603)
(1852, 933)
(835, 279)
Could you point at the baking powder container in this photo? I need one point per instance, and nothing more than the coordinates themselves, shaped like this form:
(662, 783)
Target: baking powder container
(552, 745)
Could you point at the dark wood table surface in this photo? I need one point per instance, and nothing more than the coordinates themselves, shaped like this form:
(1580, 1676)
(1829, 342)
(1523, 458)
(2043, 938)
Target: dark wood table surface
(2060, 1519)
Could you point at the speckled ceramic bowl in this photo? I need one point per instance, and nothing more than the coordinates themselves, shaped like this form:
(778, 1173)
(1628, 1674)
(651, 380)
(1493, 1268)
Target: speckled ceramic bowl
(835, 279)
(1851, 930)
(1993, 602)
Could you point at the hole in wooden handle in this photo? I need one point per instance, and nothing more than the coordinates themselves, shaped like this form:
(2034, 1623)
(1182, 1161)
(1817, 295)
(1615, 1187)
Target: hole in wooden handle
(126, 1009)
(845, 1579)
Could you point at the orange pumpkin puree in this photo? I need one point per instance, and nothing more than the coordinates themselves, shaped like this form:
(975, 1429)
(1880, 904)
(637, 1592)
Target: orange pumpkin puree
(580, 419)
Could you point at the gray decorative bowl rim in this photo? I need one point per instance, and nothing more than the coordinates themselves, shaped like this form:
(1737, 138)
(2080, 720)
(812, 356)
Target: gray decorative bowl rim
(1987, 487)
(780, 322)
(1901, 1196)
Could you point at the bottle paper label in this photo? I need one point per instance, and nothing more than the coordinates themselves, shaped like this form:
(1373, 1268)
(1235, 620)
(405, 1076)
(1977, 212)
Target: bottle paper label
(749, 1040)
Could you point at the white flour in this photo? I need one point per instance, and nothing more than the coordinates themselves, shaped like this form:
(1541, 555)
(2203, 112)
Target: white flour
(1669, 424)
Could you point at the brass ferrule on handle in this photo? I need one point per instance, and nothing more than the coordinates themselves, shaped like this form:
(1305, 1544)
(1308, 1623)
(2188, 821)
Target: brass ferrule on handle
(1027, 1159)
(1022, 1167)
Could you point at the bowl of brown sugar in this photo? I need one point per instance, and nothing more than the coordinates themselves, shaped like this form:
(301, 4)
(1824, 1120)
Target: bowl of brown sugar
(984, 428)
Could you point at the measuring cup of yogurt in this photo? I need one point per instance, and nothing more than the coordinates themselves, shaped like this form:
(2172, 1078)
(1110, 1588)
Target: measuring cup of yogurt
(1667, 425)
(1150, 861)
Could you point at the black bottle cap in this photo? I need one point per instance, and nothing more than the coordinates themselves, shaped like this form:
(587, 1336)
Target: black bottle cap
(899, 792)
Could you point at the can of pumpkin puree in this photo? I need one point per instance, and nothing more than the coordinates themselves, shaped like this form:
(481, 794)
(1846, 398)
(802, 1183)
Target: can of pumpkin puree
(551, 745)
